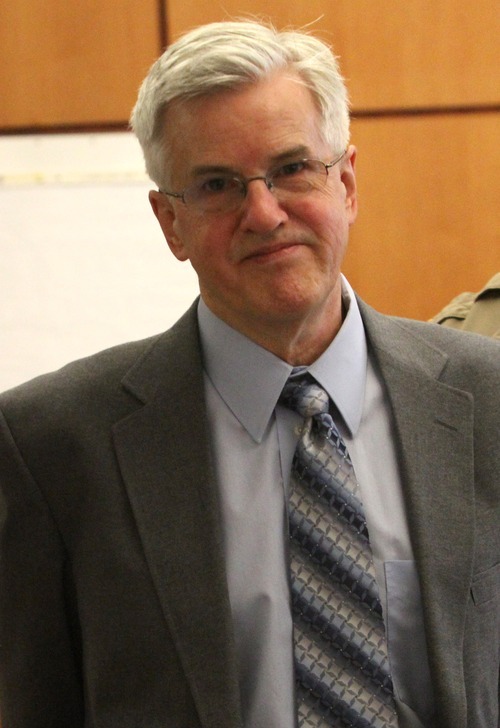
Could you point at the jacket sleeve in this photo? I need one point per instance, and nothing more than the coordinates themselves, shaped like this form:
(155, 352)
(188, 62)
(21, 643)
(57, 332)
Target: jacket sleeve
(40, 685)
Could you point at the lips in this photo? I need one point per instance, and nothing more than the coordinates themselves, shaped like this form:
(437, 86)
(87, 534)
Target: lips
(269, 252)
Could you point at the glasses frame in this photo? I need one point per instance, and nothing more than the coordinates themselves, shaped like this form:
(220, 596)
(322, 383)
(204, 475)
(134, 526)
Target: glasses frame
(245, 181)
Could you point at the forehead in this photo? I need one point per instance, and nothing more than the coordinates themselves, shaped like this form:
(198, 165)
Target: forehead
(244, 127)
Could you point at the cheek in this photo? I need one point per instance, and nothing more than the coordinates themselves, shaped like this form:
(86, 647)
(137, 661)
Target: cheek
(206, 241)
(324, 215)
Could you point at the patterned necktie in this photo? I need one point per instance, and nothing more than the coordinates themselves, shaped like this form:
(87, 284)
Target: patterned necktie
(341, 664)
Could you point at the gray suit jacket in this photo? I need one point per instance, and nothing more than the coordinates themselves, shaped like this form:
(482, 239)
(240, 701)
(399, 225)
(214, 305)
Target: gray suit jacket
(114, 608)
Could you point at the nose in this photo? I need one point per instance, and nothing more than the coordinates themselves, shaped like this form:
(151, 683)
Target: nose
(262, 212)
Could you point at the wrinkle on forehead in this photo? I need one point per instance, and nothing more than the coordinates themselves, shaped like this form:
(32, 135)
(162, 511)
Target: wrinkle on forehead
(224, 130)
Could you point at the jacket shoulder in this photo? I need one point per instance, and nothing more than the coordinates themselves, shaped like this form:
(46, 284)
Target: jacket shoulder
(98, 374)
(91, 372)
(419, 344)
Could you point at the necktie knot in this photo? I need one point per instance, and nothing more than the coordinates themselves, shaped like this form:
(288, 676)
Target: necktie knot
(305, 396)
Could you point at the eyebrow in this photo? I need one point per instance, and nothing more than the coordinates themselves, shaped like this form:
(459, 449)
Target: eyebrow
(202, 169)
(300, 152)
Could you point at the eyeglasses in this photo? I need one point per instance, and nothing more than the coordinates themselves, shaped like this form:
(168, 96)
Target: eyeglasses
(224, 192)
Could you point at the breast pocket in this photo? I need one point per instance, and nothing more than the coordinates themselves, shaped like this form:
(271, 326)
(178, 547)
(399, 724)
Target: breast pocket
(485, 587)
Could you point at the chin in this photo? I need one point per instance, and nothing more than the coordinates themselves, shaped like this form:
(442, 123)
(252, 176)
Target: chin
(288, 307)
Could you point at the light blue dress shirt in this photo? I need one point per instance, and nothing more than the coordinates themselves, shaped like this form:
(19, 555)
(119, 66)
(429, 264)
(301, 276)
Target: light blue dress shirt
(253, 441)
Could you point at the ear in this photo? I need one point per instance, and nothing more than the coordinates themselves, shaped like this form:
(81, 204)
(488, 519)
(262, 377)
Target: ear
(166, 215)
(348, 179)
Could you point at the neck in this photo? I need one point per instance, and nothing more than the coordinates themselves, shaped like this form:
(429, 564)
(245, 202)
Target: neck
(299, 346)
(297, 340)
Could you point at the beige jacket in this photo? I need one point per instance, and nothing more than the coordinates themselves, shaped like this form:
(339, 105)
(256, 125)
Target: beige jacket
(478, 312)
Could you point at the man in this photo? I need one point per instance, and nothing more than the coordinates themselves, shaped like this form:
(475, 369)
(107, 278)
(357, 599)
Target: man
(476, 312)
(153, 545)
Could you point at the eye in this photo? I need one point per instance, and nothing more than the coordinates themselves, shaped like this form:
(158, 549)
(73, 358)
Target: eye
(291, 168)
(215, 185)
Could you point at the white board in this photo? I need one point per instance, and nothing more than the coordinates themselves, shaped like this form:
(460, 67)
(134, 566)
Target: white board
(84, 264)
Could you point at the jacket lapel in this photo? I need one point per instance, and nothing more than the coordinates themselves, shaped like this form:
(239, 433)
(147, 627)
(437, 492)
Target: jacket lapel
(434, 431)
(164, 455)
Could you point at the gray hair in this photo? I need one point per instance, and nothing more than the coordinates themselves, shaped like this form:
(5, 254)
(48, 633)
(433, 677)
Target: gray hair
(224, 56)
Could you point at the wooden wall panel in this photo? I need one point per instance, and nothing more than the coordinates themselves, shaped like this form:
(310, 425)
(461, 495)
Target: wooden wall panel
(394, 54)
(426, 182)
(74, 62)
(427, 227)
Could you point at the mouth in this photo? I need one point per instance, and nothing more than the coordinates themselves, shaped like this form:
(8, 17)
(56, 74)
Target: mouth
(275, 252)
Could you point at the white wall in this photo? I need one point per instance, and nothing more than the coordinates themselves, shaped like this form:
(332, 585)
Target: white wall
(83, 261)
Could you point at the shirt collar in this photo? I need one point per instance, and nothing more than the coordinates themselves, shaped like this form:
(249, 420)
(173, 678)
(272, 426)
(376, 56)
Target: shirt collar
(249, 378)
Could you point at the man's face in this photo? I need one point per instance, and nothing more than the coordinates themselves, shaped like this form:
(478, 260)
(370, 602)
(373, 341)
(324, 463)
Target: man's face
(267, 263)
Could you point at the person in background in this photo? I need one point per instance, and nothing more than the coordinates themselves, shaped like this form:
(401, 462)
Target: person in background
(476, 312)
(284, 510)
